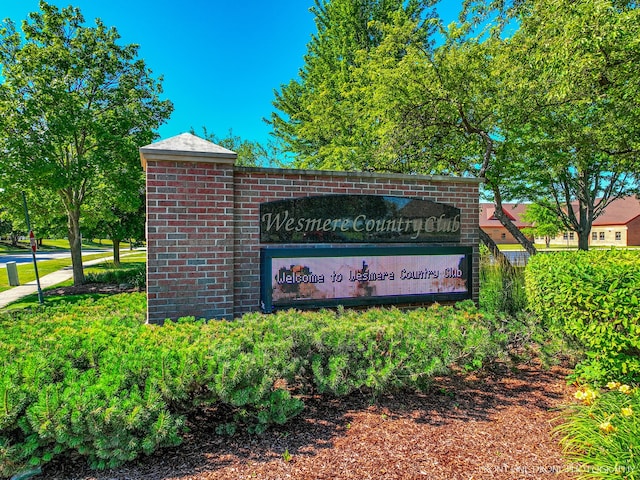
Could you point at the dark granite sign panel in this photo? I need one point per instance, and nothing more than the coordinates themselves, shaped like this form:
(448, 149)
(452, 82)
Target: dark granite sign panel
(358, 219)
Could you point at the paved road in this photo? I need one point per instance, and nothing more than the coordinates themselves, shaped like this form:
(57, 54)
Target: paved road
(517, 258)
(27, 258)
(16, 293)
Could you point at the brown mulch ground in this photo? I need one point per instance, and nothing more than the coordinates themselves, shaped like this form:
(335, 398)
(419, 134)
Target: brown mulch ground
(493, 425)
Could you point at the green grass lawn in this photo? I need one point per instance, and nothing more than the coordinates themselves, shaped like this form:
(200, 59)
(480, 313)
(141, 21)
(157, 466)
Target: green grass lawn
(49, 245)
(128, 261)
(26, 272)
(126, 257)
(86, 243)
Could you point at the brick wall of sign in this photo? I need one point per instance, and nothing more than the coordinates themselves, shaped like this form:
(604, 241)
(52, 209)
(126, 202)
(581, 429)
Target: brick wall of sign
(203, 231)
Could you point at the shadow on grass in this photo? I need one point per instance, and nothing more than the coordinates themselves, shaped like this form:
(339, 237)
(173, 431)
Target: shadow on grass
(31, 301)
(49, 245)
(124, 265)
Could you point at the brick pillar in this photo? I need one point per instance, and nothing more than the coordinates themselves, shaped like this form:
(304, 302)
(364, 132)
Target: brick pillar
(190, 231)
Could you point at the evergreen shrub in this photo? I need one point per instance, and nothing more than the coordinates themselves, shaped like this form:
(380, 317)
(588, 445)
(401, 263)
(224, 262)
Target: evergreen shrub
(592, 297)
(93, 378)
(131, 273)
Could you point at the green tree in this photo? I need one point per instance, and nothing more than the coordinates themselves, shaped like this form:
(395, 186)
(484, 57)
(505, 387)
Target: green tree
(119, 225)
(75, 106)
(441, 111)
(124, 216)
(317, 117)
(553, 108)
(8, 229)
(545, 107)
(544, 220)
(250, 153)
(576, 133)
(46, 214)
(397, 103)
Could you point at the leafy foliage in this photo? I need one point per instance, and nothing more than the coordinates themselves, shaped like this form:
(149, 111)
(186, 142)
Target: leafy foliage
(592, 297)
(250, 153)
(574, 133)
(319, 114)
(545, 221)
(600, 434)
(501, 285)
(537, 97)
(94, 379)
(8, 228)
(118, 224)
(131, 273)
(75, 106)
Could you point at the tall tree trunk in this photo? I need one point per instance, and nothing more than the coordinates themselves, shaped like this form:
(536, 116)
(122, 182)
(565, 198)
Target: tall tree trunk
(583, 241)
(508, 224)
(488, 154)
(495, 251)
(75, 244)
(585, 222)
(116, 251)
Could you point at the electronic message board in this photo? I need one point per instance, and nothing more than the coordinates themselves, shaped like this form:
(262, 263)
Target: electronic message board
(350, 276)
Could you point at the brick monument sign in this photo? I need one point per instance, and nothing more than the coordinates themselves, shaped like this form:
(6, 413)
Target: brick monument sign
(224, 240)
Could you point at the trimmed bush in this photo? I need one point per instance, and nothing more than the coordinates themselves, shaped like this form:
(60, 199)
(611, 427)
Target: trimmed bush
(593, 297)
(131, 273)
(94, 379)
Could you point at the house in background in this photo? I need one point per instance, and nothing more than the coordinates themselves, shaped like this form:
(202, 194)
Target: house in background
(492, 226)
(619, 225)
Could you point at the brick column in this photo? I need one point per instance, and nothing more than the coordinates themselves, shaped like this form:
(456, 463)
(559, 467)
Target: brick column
(190, 229)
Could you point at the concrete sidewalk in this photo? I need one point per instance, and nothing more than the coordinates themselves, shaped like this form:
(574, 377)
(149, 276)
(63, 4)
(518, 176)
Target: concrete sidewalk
(16, 293)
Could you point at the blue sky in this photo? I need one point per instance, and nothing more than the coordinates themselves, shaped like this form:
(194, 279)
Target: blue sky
(221, 59)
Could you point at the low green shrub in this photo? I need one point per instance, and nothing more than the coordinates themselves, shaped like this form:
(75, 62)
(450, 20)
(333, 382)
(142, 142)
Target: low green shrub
(593, 298)
(93, 378)
(381, 349)
(67, 385)
(600, 433)
(131, 273)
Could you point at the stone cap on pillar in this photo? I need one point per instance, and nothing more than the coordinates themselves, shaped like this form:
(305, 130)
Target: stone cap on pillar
(186, 148)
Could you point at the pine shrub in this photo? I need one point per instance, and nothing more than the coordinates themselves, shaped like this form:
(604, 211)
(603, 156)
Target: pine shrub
(93, 378)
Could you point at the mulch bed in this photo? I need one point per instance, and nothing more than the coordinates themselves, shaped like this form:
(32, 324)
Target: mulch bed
(496, 424)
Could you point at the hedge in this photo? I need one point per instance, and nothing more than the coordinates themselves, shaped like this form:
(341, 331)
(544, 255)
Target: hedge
(92, 378)
(593, 298)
